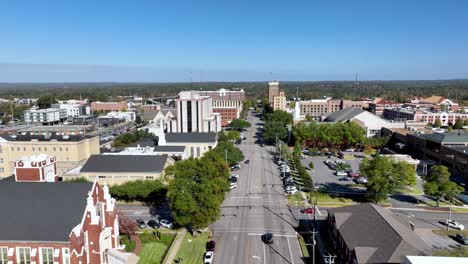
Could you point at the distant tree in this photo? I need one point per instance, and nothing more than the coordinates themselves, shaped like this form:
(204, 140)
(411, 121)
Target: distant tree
(222, 136)
(234, 155)
(437, 122)
(148, 191)
(438, 184)
(138, 119)
(279, 116)
(239, 124)
(385, 176)
(297, 150)
(458, 123)
(45, 101)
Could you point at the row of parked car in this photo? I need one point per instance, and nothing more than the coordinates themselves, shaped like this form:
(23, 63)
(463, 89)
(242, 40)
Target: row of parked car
(155, 224)
(344, 170)
(285, 174)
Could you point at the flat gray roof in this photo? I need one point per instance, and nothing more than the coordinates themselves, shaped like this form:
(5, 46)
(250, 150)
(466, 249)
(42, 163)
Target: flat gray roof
(125, 163)
(191, 137)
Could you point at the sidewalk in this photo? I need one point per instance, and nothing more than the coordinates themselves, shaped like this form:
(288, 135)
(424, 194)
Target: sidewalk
(169, 259)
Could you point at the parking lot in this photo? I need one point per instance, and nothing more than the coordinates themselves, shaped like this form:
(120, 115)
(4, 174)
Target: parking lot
(324, 176)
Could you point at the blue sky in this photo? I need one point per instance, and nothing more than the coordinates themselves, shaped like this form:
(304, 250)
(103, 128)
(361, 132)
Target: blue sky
(232, 40)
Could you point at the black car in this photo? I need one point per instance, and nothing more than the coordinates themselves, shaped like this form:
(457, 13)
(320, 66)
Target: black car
(267, 238)
(153, 224)
(141, 223)
(462, 239)
(210, 245)
(247, 161)
(233, 179)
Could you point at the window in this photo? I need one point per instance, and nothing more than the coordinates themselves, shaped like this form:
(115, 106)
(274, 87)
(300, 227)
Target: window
(24, 148)
(18, 148)
(60, 148)
(47, 256)
(2, 170)
(3, 255)
(24, 255)
(33, 149)
(102, 177)
(66, 148)
(39, 148)
(66, 255)
(55, 149)
(45, 148)
(12, 149)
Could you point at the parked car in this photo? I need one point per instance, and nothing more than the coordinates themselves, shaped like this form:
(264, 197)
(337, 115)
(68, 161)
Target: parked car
(210, 245)
(153, 224)
(350, 150)
(267, 238)
(354, 175)
(232, 186)
(290, 188)
(235, 167)
(262, 145)
(234, 176)
(247, 161)
(233, 180)
(345, 179)
(208, 258)
(362, 180)
(165, 223)
(454, 224)
(307, 210)
(341, 173)
(141, 223)
(462, 239)
(291, 191)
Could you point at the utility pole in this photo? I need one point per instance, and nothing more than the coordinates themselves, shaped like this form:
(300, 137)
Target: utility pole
(225, 153)
(314, 243)
(450, 215)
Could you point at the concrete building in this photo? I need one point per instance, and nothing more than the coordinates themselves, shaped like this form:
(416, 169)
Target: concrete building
(128, 116)
(64, 223)
(70, 151)
(39, 168)
(57, 130)
(368, 233)
(373, 124)
(422, 115)
(378, 106)
(49, 116)
(279, 102)
(120, 168)
(195, 113)
(319, 107)
(108, 106)
(227, 103)
(273, 90)
(73, 110)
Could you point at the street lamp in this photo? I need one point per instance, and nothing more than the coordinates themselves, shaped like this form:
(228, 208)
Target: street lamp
(226, 155)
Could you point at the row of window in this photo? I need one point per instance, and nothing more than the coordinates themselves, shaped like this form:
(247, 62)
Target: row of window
(24, 254)
(38, 149)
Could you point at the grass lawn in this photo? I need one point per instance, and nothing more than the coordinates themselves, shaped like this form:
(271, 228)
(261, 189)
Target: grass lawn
(295, 199)
(305, 251)
(129, 244)
(192, 249)
(324, 199)
(410, 190)
(153, 249)
(348, 157)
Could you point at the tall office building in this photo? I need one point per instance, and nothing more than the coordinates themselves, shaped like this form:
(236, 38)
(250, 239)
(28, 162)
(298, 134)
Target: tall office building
(228, 103)
(273, 90)
(195, 113)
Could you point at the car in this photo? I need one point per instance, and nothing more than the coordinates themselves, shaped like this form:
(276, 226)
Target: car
(235, 167)
(354, 175)
(454, 224)
(350, 150)
(233, 180)
(232, 186)
(153, 224)
(291, 191)
(262, 145)
(307, 210)
(290, 187)
(341, 173)
(362, 180)
(285, 170)
(247, 161)
(462, 239)
(345, 179)
(210, 245)
(141, 223)
(165, 223)
(267, 238)
(234, 176)
(208, 257)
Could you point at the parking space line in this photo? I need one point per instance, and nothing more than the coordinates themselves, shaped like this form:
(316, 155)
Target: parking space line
(290, 251)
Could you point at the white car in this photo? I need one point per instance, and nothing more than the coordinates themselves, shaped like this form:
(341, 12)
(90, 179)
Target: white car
(292, 191)
(165, 223)
(341, 173)
(232, 186)
(208, 258)
(454, 224)
(362, 180)
(291, 188)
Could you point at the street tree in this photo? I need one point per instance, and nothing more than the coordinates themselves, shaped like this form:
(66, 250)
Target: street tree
(458, 123)
(437, 122)
(275, 130)
(151, 191)
(438, 184)
(239, 124)
(234, 155)
(385, 176)
(233, 135)
(127, 226)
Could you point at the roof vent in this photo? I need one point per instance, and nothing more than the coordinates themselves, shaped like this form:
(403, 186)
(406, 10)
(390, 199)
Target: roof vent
(13, 136)
(65, 136)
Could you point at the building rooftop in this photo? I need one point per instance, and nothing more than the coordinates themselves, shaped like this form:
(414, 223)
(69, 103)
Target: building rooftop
(375, 235)
(191, 137)
(41, 211)
(343, 115)
(462, 149)
(449, 137)
(125, 163)
(434, 99)
(28, 137)
(169, 148)
(144, 142)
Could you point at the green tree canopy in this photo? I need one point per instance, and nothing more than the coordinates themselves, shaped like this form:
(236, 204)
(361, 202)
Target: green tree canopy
(279, 116)
(45, 101)
(458, 123)
(234, 155)
(149, 191)
(273, 129)
(438, 184)
(437, 122)
(239, 124)
(385, 176)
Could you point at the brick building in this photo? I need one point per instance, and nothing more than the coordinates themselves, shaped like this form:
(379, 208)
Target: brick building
(108, 106)
(227, 103)
(75, 223)
(319, 107)
(40, 168)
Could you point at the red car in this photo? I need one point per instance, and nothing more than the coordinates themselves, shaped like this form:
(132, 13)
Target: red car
(307, 211)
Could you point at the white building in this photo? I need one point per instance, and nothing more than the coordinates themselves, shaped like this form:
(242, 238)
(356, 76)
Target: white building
(434, 260)
(47, 116)
(128, 116)
(195, 113)
(73, 110)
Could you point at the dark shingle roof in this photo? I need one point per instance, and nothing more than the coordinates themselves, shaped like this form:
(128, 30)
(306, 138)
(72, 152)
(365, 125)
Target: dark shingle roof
(169, 148)
(191, 137)
(29, 137)
(41, 211)
(343, 115)
(144, 142)
(375, 235)
(125, 163)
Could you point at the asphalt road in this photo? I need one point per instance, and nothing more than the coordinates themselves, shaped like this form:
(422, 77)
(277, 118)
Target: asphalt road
(256, 207)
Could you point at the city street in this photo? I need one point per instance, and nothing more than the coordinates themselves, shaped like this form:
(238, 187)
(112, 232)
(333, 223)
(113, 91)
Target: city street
(257, 206)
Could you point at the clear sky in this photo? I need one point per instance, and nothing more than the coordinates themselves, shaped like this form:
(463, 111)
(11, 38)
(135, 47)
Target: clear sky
(238, 40)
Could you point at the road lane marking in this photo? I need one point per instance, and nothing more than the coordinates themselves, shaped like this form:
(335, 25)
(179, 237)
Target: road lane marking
(247, 249)
(290, 252)
(278, 235)
(264, 253)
